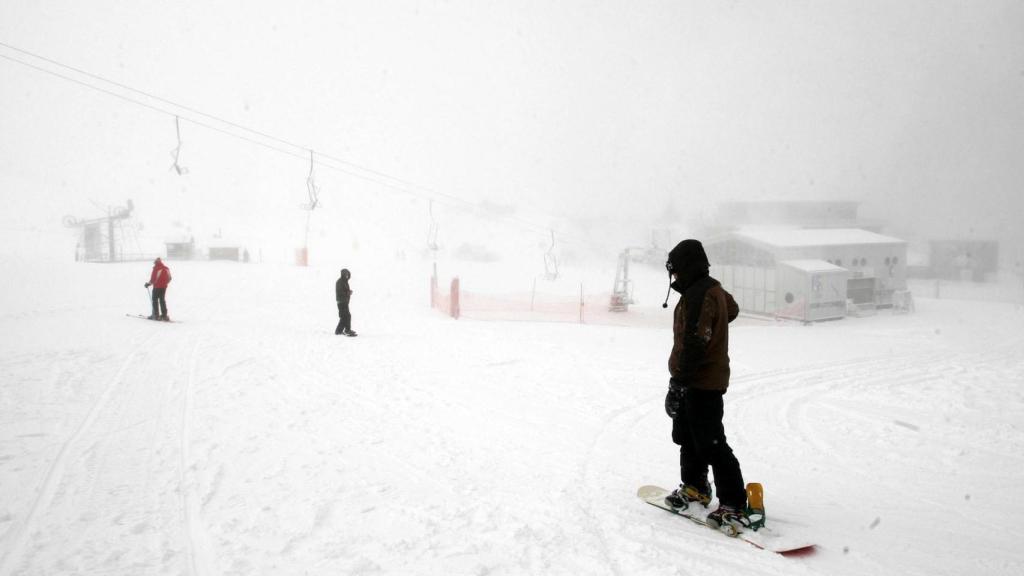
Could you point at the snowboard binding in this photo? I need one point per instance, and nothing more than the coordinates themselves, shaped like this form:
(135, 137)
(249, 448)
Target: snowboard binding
(755, 506)
(732, 521)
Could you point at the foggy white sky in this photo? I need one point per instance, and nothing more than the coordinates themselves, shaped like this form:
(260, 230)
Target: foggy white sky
(595, 108)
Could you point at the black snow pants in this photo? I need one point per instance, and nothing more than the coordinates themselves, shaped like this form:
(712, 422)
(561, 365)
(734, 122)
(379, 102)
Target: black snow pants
(159, 302)
(344, 319)
(697, 429)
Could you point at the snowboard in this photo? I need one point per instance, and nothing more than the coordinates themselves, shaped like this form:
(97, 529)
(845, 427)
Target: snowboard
(145, 317)
(764, 538)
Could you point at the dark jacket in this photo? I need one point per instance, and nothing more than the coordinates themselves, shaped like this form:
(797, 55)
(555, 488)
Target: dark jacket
(342, 293)
(700, 352)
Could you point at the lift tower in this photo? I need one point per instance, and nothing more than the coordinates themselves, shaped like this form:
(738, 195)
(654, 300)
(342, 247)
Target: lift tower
(98, 236)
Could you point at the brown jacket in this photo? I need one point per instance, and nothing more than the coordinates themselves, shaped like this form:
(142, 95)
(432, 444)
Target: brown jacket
(706, 366)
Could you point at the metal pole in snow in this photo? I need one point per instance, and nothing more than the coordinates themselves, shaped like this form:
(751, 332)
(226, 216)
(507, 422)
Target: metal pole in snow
(433, 287)
(455, 305)
(581, 302)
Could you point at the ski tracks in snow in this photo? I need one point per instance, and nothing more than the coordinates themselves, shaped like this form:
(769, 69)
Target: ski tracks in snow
(853, 426)
(120, 494)
(856, 425)
(199, 552)
(69, 449)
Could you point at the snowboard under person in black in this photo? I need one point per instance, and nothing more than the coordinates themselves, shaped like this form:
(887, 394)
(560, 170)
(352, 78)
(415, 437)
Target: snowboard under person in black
(699, 368)
(342, 294)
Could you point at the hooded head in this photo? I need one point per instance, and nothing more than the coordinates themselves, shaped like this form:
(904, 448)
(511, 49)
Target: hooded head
(158, 262)
(345, 274)
(688, 262)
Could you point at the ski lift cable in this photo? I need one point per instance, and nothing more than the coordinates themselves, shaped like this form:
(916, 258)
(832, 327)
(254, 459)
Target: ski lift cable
(230, 123)
(194, 111)
(351, 168)
(149, 95)
(218, 119)
(406, 184)
(200, 123)
(384, 183)
(151, 107)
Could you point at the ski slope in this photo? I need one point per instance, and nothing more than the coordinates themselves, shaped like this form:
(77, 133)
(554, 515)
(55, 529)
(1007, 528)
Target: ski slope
(248, 439)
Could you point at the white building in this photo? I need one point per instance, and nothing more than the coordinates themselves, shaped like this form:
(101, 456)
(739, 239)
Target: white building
(803, 273)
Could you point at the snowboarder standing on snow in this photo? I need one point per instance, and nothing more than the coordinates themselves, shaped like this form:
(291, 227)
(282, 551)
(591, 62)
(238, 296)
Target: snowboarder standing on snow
(342, 293)
(699, 368)
(159, 278)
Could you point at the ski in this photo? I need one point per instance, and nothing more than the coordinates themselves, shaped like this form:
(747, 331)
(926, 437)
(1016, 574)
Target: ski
(144, 317)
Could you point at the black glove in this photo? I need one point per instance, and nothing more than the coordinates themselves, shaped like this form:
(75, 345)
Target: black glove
(147, 284)
(674, 397)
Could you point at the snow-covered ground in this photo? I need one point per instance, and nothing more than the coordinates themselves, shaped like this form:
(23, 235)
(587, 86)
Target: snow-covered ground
(248, 439)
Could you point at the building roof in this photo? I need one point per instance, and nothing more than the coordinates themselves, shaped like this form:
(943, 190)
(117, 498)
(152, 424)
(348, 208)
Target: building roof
(804, 237)
(813, 266)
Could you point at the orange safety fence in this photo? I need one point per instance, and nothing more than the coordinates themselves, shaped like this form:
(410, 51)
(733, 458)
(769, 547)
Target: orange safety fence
(527, 306)
(532, 306)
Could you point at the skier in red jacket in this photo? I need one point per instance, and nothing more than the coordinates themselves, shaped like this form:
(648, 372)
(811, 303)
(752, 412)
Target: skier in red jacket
(159, 278)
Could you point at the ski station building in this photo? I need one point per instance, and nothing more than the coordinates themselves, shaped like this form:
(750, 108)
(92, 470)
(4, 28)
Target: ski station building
(810, 274)
(186, 248)
(223, 250)
(180, 248)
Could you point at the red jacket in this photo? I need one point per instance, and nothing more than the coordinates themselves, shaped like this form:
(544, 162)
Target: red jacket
(161, 275)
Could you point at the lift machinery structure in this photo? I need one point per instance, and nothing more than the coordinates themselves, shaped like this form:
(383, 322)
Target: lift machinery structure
(102, 239)
(622, 291)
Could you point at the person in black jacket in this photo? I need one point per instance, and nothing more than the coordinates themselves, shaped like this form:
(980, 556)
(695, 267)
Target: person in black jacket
(342, 293)
(699, 378)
